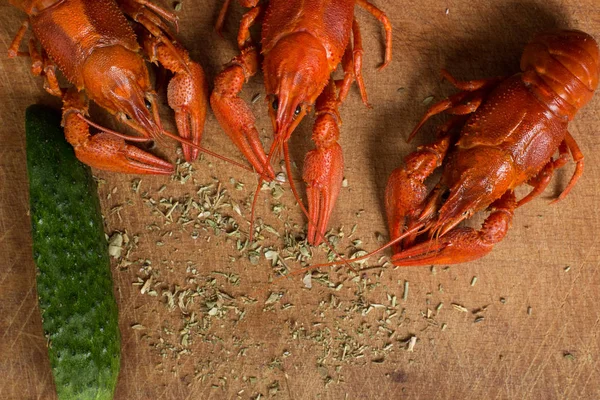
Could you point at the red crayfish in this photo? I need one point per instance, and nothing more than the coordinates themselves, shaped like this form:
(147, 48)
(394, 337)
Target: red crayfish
(303, 42)
(96, 49)
(510, 129)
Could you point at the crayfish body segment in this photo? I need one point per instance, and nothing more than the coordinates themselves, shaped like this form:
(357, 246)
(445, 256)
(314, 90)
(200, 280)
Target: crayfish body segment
(94, 45)
(504, 133)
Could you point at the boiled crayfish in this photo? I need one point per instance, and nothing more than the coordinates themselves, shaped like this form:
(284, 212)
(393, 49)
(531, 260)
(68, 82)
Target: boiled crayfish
(303, 42)
(509, 130)
(95, 47)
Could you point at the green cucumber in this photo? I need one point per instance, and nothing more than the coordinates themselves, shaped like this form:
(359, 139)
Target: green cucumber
(74, 282)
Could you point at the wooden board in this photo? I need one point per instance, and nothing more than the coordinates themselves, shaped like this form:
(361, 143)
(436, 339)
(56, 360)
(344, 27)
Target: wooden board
(539, 336)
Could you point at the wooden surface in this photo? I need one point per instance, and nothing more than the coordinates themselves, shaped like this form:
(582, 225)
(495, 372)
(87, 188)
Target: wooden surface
(310, 350)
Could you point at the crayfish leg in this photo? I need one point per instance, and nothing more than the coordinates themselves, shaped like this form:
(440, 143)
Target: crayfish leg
(248, 19)
(352, 66)
(223, 13)
(578, 158)
(41, 65)
(152, 17)
(542, 179)
(462, 103)
(50, 80)
(452, 105)
(221, 18)
(13, 49)
(472, 85)
(387, 26)
(462, 244)
(37, 62)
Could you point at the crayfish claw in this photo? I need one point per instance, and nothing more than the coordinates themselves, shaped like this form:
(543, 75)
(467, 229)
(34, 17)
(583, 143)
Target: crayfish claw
(235, 116)
(323, 170)
(406, 201)
(324, 166)
(460, 244)
(187, 92)
(104, 151)
(457, 246)
(188, 97)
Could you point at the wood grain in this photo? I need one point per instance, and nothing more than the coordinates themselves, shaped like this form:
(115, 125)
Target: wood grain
(550, 353)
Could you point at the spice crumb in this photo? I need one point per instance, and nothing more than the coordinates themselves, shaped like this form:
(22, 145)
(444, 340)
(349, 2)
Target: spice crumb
(427, 100)
(460, 308)
(411, 343)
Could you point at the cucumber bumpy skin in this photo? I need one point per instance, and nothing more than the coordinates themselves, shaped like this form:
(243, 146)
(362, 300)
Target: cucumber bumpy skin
(74, 282)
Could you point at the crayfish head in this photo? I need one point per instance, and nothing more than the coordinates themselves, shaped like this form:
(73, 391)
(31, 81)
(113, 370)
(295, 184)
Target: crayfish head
(296, 71)
(117, 79)
(475, 179)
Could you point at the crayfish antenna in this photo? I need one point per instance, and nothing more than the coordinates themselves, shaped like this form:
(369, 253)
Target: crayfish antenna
(221, 18)
(261, 179)
(205, 150)
(275, 146)
(115, 133)
(392, 242)
(172, 136)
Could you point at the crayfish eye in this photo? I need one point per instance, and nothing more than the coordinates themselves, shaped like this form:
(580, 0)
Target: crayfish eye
(297, 111)
(148, 104)
(275, 104)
